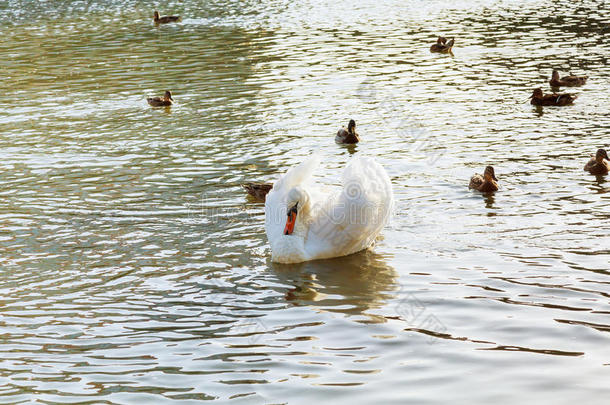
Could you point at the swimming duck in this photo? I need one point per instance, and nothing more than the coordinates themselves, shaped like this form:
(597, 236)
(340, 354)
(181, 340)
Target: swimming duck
(567, 81)
(442, 45)
(485, 183)
(166, 100)
(598, 164)
(349, 136)
(538, 98)
(258, 190)
(165, 19)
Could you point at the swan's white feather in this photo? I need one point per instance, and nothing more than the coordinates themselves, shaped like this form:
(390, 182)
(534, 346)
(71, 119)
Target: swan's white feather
(329, 224)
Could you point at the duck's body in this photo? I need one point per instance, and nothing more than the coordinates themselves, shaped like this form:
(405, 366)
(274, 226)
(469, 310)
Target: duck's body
(258, 190)
(485, 183)
(164, 101)
(165, 19)
(567, 81)
(348, 136)
(598, 164)
(539, 98)
(305, 223)
(442, 45)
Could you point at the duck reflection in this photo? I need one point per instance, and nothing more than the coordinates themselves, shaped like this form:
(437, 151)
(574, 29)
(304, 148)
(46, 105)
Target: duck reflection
(350, 284)
(351, 148)
(598, 186)
(600, 179)
(490, 199)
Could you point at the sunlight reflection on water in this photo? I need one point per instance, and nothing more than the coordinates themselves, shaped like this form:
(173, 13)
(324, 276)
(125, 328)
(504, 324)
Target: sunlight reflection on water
(134, 268)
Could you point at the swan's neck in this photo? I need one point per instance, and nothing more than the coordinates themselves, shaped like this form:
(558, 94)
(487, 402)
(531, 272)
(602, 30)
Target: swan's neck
(303, 219)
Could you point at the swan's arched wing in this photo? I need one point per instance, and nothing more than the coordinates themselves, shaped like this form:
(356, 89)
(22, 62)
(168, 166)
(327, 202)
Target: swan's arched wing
(351, 220)
(299, 174)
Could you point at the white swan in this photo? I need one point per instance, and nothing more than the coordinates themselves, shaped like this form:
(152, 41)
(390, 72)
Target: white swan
(303, 223)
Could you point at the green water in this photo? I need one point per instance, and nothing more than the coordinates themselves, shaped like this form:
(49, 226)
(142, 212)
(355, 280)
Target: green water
(135, 270)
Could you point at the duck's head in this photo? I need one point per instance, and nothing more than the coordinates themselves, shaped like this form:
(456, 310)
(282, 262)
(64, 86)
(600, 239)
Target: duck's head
(537, 93)
(441, 40)
(297, 205)
(156, 15)
(601, 155)
(351, 127)
(168, 95)
(555, 75)
(489, 174)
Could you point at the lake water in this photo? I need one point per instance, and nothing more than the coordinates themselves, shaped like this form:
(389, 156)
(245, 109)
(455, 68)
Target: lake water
(135, 270)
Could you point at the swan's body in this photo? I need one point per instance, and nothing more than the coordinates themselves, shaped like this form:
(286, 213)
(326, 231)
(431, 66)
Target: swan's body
(303, 223)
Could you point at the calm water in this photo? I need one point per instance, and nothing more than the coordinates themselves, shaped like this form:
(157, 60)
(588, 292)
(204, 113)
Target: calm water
(135, 270)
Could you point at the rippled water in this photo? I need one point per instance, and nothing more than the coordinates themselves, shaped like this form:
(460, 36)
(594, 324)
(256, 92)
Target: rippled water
(135, 270)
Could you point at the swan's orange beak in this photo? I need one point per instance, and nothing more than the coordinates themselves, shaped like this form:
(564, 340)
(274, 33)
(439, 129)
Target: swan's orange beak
(291, 221)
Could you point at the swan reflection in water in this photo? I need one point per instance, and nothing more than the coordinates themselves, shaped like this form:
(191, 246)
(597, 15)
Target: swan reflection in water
(350, 284)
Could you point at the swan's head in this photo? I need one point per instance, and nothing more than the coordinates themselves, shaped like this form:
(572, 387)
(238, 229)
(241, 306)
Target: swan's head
(351, 127)
(555, 75)
(297, 207)
(489, 174)
(601, 155)
(168, 96)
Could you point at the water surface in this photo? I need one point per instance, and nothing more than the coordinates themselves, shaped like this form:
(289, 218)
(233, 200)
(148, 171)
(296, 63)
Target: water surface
(135, 270)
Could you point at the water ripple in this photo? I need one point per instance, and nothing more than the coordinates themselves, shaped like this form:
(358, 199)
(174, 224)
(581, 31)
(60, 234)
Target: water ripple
(134, 268)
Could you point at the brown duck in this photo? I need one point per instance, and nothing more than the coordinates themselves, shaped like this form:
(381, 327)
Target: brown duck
(348, 136)
(442, 45)
(538, 98)
(258, 190)
(567, 81)
(599, 164)
(164, 101)
(165, 19)
(485, 183)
